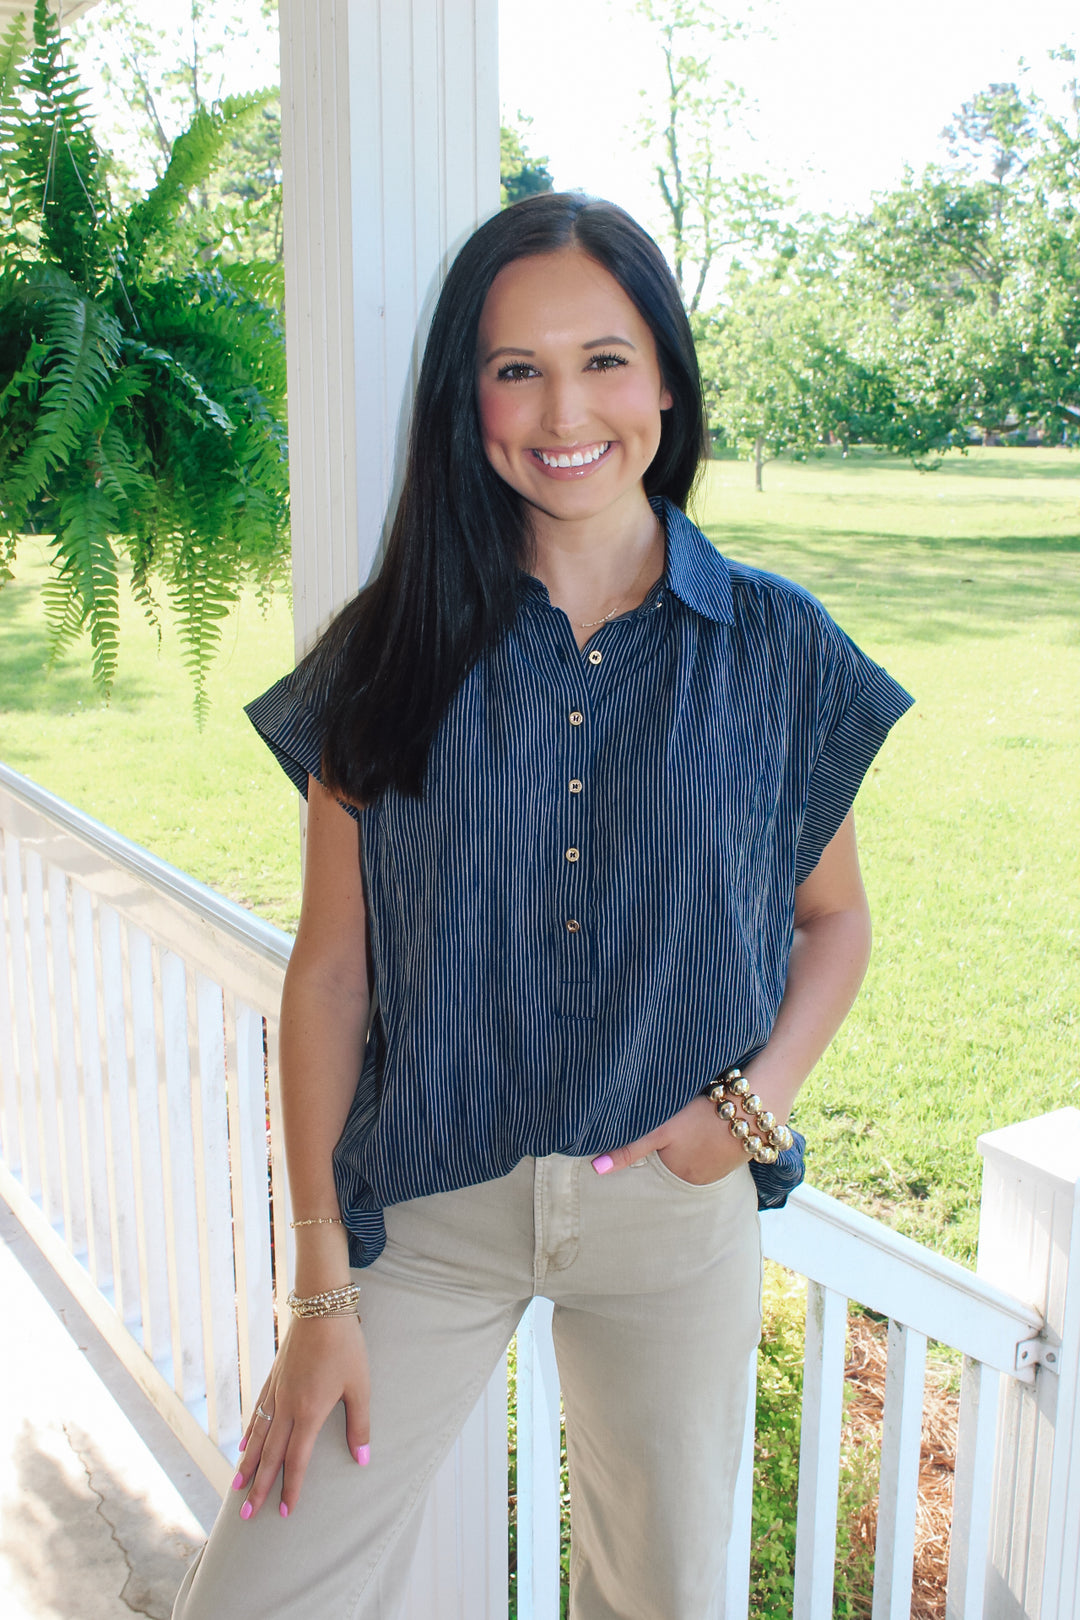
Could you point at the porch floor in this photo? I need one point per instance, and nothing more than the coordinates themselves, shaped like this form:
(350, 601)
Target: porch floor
(94, 1524)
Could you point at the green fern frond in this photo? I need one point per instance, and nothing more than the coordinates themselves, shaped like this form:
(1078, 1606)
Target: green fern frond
(202, 593)
(140, 590)
(56, 166)
(83, 343)
(117, 475)
(85, 590)
(12, 46)
(64, 613)
(190, 387)
(261, 279)
(194, 156)
(25, 380)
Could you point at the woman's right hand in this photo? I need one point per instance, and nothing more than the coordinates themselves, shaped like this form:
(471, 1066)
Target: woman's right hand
(321, 1361)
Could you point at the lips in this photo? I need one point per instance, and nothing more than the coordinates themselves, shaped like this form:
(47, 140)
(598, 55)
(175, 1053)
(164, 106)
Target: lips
(573, 459)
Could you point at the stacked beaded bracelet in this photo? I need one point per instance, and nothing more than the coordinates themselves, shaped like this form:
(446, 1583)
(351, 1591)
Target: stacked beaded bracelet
(760, 1135)
(335, 1302)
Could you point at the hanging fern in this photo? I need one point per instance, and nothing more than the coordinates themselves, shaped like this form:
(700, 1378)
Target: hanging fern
(142, 410)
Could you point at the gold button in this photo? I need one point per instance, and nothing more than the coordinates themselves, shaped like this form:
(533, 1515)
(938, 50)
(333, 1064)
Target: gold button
(596, 657)
(575, 785)
(576, 717)
(573, 926)
(573, 854)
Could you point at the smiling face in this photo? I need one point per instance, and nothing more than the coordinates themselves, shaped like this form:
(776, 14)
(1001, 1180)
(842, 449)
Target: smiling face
(568, 387)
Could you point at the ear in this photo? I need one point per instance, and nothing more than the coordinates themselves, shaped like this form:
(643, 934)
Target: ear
(667, 400)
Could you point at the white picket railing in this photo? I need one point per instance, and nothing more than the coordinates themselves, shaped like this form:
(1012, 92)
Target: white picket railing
(138, 1132)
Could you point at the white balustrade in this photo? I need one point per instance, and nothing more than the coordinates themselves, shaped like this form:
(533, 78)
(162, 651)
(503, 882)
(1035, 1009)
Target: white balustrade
(139, 1123)
(136, 1012)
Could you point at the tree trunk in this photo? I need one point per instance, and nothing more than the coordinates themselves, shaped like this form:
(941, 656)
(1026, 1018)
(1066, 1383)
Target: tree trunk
(759, 457)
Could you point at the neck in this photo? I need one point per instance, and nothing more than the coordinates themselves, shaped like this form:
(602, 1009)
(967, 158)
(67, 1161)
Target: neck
(599, 566)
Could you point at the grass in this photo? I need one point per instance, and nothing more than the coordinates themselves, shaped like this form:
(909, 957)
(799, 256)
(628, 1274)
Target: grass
(964, 582)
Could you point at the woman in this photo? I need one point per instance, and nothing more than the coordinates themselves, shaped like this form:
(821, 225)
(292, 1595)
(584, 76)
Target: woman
(579, 841)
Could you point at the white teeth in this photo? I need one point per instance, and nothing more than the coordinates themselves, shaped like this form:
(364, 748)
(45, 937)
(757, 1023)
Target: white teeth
(575, 458)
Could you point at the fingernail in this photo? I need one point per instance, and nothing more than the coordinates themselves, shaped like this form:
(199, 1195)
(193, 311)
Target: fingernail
(603, 1164)
(238, 1482)
(283, 1510)
(243, 1444)
(246, 1511)
(363, 1455)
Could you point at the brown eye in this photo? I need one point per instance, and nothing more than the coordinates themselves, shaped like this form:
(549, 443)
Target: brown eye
(515, 371)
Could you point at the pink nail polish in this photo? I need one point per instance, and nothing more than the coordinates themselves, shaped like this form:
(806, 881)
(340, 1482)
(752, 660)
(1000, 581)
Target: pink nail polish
(283, 1510)
(238, 1482)
(246, 1511)
(243, 1444)
(603, 1164)
(363, 1455)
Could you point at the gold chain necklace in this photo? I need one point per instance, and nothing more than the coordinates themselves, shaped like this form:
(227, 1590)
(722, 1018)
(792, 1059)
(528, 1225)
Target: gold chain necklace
(593, 624)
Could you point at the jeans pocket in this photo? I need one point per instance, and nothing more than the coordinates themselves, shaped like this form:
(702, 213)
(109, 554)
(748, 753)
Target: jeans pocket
(692, 1187)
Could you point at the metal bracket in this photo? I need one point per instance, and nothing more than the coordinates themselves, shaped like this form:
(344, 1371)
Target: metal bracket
(1038, 1352)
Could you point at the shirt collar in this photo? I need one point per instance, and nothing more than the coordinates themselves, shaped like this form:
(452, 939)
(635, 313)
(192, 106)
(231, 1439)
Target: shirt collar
(696, 572)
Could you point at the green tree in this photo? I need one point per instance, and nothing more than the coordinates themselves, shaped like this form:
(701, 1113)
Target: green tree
(710, 212)
(978, 259)
(774, 369)
(141, 408)
(520, 174)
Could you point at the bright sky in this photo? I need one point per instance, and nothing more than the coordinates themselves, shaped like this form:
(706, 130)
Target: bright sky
(846, 92)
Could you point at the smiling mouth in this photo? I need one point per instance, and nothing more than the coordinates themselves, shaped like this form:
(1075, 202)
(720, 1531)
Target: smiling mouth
(573, 458)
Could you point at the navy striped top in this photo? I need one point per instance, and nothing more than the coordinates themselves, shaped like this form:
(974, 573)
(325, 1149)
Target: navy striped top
(588, 914)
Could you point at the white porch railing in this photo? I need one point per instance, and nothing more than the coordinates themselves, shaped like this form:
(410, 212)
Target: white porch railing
(138, 1132)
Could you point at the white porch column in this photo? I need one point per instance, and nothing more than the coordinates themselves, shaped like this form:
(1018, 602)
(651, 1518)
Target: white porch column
(1029, 1245)
(390, 147)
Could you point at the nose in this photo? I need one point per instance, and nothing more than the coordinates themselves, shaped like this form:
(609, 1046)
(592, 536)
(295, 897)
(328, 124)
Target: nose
(565, 411)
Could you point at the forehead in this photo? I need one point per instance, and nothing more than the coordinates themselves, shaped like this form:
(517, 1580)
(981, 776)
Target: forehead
(553, 295)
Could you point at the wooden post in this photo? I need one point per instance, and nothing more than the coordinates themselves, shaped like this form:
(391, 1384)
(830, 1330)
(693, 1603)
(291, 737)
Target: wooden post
(1029, 1244)
(390, 151)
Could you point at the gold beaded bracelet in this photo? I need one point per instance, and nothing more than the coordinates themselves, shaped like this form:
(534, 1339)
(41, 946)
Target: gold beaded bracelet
(334, 1302)
(762, 1138)
(319, 1220)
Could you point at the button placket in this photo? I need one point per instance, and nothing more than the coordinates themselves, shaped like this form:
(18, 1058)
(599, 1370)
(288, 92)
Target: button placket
(573, 919)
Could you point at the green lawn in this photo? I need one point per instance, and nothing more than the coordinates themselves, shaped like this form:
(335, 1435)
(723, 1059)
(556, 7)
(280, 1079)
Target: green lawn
(965, 583)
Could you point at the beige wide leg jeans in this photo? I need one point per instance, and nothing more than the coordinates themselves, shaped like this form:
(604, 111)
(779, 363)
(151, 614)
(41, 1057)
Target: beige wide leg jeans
(656, 1287)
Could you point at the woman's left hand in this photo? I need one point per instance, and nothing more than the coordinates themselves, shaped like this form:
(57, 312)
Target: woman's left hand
(693, 1144)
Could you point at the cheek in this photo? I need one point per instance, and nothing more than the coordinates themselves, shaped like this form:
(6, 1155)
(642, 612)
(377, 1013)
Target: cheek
(642, 403)
(499, 414)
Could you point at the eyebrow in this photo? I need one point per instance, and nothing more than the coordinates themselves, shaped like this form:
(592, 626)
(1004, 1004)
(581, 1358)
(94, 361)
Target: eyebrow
(596, 343)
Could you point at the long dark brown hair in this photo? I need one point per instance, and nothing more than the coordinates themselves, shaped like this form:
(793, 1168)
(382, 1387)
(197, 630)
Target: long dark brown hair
(383, 674)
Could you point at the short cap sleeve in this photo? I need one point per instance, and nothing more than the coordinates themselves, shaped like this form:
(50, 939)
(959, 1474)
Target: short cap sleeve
(290, 728)
(858, 703)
